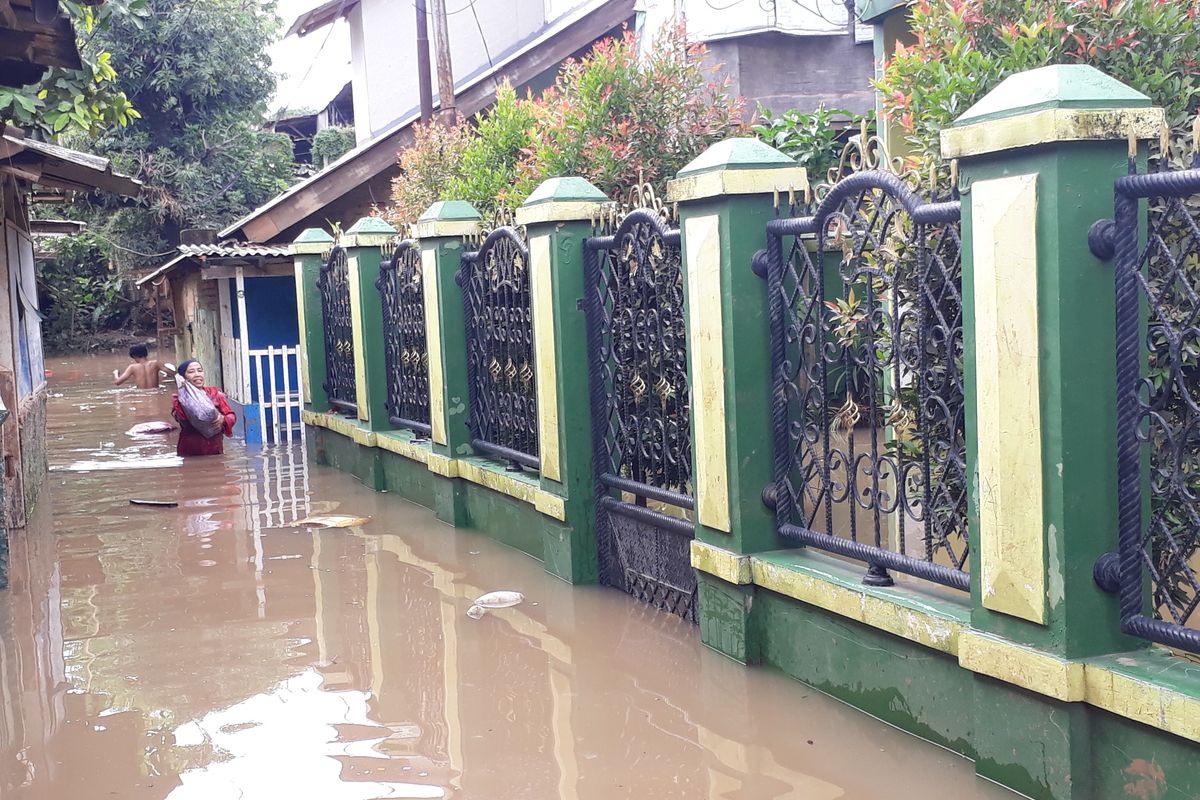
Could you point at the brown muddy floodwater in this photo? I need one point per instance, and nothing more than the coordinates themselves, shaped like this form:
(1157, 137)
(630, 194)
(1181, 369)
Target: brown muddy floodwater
(212, 651)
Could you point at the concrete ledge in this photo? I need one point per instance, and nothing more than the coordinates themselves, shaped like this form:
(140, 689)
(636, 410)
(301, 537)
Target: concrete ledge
(1152, 687)
(1049, 126)
(558, 211)
(737, 181)
(826, 583)
(476, 470)
(729, 567)
(1021, 666)
(434, 229)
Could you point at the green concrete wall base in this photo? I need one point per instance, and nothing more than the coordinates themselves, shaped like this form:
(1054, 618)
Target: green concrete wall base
(919, 690)
(569, 552)
(1031, 743)
(725, 618)
(449, 500)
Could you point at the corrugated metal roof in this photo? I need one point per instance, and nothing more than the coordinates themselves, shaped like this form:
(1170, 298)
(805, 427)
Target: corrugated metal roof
(189, 252)
(233, 250)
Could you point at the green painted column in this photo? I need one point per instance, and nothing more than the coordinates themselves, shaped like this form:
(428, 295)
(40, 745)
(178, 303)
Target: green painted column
(441, 230)
(557, 216)
(364, 249)
(308, 251)
(725, 198)
(1037, 158)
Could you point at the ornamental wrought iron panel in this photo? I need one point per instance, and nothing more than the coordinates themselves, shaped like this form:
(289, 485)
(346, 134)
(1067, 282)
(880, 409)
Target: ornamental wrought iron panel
(334, 286)
(866, 354)
(640, 406)
(402, 296)
(499, 329)
(1157, 567)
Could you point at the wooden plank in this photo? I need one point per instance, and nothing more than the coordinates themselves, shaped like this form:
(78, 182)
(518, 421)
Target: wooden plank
(231, 270)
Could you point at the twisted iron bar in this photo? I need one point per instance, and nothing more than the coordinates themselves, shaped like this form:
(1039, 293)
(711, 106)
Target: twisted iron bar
(1137, 418)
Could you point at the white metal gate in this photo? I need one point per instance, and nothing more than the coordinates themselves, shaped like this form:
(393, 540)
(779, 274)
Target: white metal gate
(276, 373)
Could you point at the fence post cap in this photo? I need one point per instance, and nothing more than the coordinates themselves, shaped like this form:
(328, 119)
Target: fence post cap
(447, 218)
(449, 210)
(311, 240)
(737, 166)
(561, 200)
(369, 232)
(1058, 103)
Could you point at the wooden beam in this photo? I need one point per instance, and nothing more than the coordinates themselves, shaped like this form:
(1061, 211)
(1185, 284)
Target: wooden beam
(277, 270)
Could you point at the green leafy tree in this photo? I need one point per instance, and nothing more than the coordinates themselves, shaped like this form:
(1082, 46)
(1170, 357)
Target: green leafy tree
(964, 48)
(78, 101)
(815, 139)
(331, 143)
(615, 117)
(199, 75)
(490, 159)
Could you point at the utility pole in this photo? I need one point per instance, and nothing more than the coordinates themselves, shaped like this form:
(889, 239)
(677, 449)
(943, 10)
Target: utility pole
(441, 32)
(423, 61)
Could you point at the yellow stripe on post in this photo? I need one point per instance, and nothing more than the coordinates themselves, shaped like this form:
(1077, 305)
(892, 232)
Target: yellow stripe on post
(303, 373)
(433, 346)
(541, 280)
(707, 342)
(360, 345)
(1011, 530)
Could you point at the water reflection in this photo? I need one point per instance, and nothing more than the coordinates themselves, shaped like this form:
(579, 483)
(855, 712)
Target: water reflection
(214, 651)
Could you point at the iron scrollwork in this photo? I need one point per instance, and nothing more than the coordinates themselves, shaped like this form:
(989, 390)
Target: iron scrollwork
(866, 350)
(499, 329)
(402, 296)
(334, 286)
(640, 403)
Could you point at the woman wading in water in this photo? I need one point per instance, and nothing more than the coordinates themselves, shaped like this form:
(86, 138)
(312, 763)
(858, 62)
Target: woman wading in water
(193, 442)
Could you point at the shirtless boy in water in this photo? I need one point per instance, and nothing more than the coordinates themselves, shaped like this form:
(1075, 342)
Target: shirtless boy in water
(144, 371)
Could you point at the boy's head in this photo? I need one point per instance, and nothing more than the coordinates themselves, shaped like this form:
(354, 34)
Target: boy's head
(138, 351)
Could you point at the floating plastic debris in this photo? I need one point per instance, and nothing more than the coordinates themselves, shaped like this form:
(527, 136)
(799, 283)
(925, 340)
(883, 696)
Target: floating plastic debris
(332, 521)
(150, 427)
(493, 600)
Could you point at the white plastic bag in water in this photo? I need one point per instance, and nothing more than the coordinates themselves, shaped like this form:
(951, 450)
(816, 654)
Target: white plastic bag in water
(201, 412)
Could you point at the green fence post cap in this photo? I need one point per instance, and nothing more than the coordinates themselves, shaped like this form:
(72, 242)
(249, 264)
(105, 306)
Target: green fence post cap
(311, 240)
(447, 218)
(369, 232)
(1058, 103)
(737, 166)
(560, 200)
(447, 210)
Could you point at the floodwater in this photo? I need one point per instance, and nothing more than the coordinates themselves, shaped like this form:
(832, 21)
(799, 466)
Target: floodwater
(216, 651)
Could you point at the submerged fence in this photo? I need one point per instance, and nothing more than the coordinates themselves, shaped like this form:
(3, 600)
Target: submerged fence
(865, 325)
(924, 424)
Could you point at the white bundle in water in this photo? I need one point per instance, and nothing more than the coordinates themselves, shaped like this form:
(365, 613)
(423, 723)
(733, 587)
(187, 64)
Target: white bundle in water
(491, 600)
(199, 408)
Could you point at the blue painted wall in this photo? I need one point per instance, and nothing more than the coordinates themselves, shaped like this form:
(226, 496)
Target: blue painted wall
(271, 310)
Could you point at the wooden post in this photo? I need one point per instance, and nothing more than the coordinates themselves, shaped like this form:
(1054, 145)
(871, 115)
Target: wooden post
(441, 32)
